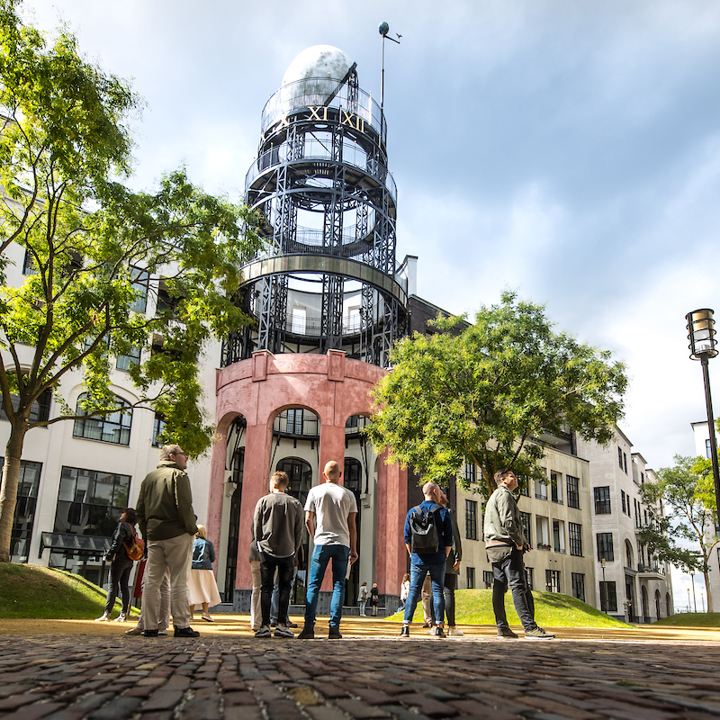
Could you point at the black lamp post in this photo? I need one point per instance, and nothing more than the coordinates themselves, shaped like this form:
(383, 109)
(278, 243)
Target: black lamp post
(703, 346)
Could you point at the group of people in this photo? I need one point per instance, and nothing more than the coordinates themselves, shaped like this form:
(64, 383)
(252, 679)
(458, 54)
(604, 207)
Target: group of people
(178, 573)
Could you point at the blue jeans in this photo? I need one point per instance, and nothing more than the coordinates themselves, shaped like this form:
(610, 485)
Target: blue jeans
(418, 571)
(322, 555)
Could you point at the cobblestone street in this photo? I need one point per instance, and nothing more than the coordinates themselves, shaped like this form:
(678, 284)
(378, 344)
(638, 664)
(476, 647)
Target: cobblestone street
(91, 672)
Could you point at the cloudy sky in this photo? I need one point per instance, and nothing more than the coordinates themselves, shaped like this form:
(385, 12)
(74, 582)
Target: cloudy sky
(568, 149)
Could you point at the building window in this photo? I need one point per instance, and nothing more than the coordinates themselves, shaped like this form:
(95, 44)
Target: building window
(602, 500)
(575, 536)
(30, 267)
(471, 520)
(297, 421)
(573, 491)
(524, 485)
(559, 536)
(40, 410)
(542, 533)
(124, 362)
(620, 457)
(24, 518)
(525, 520)
(540, 490)
(642, 478)
(622, 498)
(158, 428)
(469, 472)
(608, 596)
(708, 450)
(578, 585)
(488, 579)
(470, 577)
(113, 428)
(140, 283)
(90, 502)
(605, 547)
(556, 493)
(552, 580)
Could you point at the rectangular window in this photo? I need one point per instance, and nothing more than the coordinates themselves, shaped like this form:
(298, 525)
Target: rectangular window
(552, 581)
(469, 471)
(40, 410)
(294, 424)
(24, 518)
(487, 579)
(605, 547)
(602, 500)
(132, 358)
(525, 518)
(90, 501)
(471, 520)
(578, 585)
(620, 455)
(30, 267)
(625, 463)
(608, 596)
(524, 485)
(622, 497)
(470, 577)
(559, 536)
(540, 490)
(113, 428)
(140, 283)
(642, 478)
(158, 427)
(573, 491)
(542, 533)
(556, 493)
(575, 536)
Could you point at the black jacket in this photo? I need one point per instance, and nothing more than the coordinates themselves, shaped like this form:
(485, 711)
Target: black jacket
(122, 534)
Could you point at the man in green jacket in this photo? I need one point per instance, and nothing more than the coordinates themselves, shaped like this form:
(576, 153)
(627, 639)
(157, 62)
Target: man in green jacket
(505, 544)
(168, 524)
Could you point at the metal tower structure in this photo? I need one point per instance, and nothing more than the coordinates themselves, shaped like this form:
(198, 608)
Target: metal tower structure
(321, 185)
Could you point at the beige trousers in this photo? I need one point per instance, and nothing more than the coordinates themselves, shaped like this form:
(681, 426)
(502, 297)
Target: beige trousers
(174, 557)
(164, 614)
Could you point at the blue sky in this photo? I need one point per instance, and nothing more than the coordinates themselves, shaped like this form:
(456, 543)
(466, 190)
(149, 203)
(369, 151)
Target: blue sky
(568, 149)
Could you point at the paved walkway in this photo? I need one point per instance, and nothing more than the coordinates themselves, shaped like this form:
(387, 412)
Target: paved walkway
(75, 669)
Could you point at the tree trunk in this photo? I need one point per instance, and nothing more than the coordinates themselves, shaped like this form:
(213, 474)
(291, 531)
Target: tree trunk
(706, 575)
(8, 492)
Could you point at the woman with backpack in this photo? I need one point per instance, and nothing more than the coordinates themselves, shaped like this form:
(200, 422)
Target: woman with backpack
(122, 540)
(202, 588)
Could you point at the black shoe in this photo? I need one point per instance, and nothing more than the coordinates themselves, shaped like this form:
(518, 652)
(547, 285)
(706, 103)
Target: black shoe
(187, 632)
(506, 632)
(334, 634)
(291, 624)
(426, 625)
(150, 633)
(307, 633)
(405, 632)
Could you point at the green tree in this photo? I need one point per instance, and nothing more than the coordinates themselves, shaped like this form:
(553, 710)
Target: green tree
(93, 251)
(682, 512)
(489, 391)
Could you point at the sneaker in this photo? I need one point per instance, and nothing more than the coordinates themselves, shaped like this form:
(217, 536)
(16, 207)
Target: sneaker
(263, 632)
(405, 632)
(121, 618)
(307, 633)
(334, 634)
(150, 633)
(506, 632)
(162, 632)
(103, 618)
(438, 631)
(206, 618)
(137, 630)
(426, 625)
(291, 624)
(187, 632)
(283, 632)
(539, 634)
(454, 632)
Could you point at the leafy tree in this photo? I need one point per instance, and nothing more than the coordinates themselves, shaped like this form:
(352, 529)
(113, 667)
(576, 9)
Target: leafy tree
(686, 493)
(94, 251)
(487, 393)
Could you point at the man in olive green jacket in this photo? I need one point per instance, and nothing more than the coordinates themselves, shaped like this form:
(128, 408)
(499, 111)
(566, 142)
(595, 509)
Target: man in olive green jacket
(167, 522)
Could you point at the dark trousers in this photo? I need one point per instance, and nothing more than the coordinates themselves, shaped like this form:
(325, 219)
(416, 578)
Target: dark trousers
(119, 579)
(509, 569)
(284, 566)
(449, 593)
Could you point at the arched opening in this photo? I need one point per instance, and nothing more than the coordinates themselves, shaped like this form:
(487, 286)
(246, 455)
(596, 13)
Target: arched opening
(657, 604)
(353, 475)
(668, 606)
(234, 467)
(628, 554)
(645, 604)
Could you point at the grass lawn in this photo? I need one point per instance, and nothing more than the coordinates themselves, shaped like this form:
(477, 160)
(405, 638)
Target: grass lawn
(33, 591)
(551, 610)
(691, 620)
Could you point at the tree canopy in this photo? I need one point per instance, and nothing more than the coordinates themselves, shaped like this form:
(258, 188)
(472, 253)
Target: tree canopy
(683, 516)
(487, 393)
(107, 271)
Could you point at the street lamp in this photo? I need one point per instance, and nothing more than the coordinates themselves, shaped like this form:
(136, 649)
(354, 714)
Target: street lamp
(703, 346)
(692, 579)
(603, 595)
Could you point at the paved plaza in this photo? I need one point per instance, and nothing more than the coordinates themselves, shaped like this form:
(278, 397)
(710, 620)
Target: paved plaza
(64, 670)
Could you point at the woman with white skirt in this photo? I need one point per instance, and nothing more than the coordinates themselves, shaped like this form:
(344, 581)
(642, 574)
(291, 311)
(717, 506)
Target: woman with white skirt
(202, 588)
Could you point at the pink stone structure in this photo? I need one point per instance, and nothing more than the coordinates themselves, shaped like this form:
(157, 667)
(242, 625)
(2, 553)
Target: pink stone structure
(334, 388)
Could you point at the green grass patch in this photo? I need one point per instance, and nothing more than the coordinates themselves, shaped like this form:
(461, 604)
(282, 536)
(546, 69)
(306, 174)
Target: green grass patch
(691, 620)
(33, 591)
(474, 607)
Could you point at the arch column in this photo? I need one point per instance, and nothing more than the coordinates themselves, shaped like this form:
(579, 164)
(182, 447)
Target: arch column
(390, 558)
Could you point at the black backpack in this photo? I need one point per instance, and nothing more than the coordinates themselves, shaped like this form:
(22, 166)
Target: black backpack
(424, 538)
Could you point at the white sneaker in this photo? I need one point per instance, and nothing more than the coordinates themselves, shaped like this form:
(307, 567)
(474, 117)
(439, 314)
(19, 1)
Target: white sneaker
(454, 632)
(121, 618)
(137, 630)
(103, 618)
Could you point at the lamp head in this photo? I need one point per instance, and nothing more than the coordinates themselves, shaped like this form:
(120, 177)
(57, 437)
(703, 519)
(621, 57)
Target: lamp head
(383, 29)
(701, 333)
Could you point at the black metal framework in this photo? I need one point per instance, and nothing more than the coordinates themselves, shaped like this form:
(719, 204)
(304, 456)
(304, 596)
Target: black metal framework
(327, 203)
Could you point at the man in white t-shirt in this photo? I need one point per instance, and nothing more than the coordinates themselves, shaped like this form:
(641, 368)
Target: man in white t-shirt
(330, 512)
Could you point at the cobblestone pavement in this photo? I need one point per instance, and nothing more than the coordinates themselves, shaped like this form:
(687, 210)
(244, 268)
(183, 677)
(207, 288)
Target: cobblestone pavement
(99, 673)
